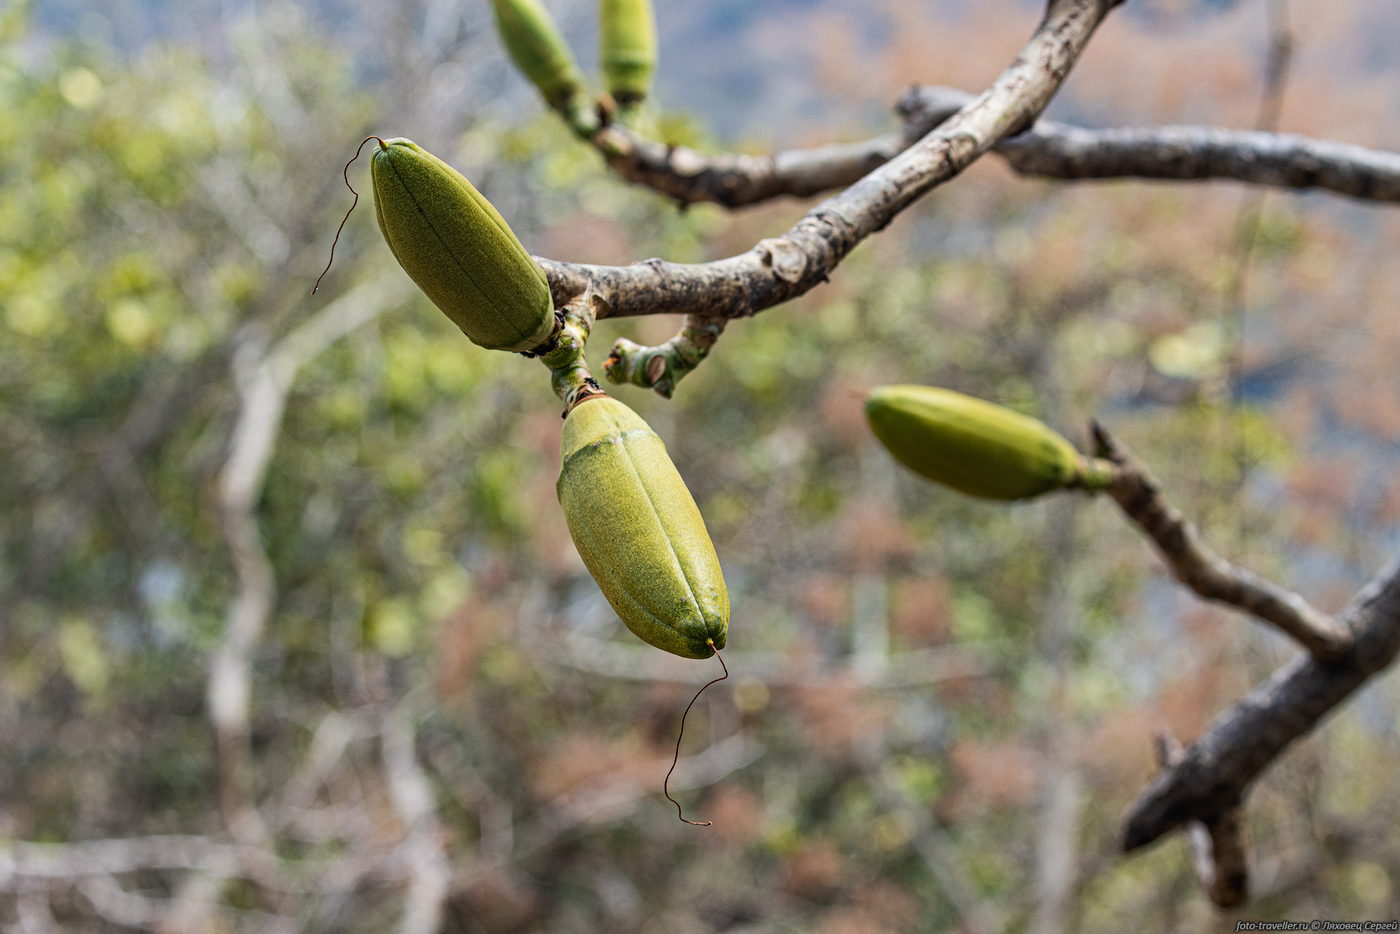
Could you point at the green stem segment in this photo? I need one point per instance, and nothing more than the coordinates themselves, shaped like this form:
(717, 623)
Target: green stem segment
(541, 53)
(569, 375)
(662, 367)
(627, 51)
(1094, 475)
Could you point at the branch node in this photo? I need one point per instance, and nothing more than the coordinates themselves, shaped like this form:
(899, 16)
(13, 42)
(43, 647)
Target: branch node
(1217, 845)
(662, 367)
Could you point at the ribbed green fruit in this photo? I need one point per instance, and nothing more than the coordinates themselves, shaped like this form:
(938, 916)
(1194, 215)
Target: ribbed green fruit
(639, 531)
(540, 52)
(627, 48)
(458, 249)
(977, 447)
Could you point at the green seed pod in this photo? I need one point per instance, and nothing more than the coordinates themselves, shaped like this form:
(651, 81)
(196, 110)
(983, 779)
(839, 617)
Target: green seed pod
(458, 249)
(627, 48)
(540, 52)
(639, 531)
(977, 447)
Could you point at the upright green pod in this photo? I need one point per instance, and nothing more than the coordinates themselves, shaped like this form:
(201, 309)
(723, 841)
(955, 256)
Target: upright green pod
(627, 48)
(458, 249)
(977, 447)
(639, 531)
(540, 52)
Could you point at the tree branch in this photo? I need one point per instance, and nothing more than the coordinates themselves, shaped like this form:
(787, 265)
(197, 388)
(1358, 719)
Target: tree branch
(663, 366)
(737, 180)
(263, 385)
(1217, 769)
(426, 865)
(1212, 577)
(1217, 846)
(1047, 150)
(1180, 153)
(782, 268)
(912, 668)
(66, 861)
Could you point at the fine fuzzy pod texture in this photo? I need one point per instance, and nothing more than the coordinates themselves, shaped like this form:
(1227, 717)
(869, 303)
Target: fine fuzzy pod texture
(627, 48)
(538, 49)
(639, 531)
(458, 249)
(978, 447)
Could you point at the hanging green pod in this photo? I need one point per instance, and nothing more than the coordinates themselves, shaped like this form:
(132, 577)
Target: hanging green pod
(977, 447)
(458, 249)
(627, 49)
(639, 531)
(538, 49)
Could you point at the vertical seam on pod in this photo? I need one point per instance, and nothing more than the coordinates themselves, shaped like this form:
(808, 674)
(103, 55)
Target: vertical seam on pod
(685, 574)
(504, 318)
(597, 547)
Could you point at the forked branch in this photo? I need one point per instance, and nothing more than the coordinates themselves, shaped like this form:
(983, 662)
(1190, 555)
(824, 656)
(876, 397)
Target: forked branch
(1217, 846)
(1047, 150)
(781, 268)
(1216, 771)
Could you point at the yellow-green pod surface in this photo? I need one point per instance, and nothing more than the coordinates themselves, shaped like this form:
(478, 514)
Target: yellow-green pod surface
(540, 52)
(627, 48)
(458, 249)
(639, 531)
(977, 447)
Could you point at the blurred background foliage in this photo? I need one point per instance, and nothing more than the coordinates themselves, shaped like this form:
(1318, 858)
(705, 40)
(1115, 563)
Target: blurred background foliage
(939, 708)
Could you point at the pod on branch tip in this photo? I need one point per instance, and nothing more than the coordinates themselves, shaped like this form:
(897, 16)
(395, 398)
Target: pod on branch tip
(540, 51)
(627, 49)
(977, 447)
(638, 530)
(458, 249)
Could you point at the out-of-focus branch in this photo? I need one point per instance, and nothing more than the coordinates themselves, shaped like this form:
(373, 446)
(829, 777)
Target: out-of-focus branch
(65, 861)
(426, 865)
(93, 868)
(130, 909)
(913, 668)
(620, 796)
(1217, 769)
(33, 914)
(1212, 577)
(942, 855)
(331, 738)
(263, 383)
(782, 268)
(1217, 845)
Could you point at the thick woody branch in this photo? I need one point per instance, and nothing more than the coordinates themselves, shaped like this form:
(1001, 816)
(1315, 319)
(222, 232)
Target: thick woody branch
(785, 267)
(737, 180)
(1212, 577)
(1048, 150)
(1179, 153)
(1217, 846)
(1215, 772)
